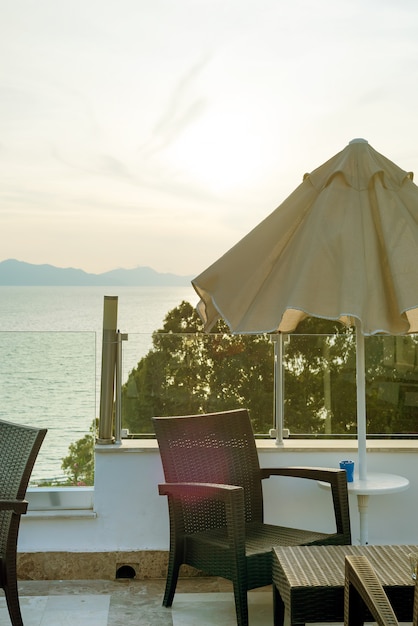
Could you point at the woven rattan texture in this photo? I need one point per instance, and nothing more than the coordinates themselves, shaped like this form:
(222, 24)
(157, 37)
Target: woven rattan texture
(219, 450)
(19, 447)
(363, 589)
(310, 580)
(213, 484)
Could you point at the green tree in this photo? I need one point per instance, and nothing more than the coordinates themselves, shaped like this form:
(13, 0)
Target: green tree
(79, 464)
(242, 375)
(391, 368)
(317, 364)
(188, 371)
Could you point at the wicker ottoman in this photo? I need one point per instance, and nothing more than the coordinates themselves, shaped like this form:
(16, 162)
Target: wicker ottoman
(308, 581)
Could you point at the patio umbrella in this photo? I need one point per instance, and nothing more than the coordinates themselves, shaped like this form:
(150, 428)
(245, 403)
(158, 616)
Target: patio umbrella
(343, 246)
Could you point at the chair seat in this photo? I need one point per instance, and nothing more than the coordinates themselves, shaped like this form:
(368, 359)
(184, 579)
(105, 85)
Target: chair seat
(260, 538)
(209, 551)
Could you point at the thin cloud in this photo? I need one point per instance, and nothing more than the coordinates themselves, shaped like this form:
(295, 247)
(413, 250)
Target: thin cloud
(180, 112)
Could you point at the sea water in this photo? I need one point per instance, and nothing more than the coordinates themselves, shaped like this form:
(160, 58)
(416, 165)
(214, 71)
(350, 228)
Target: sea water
(50, 356)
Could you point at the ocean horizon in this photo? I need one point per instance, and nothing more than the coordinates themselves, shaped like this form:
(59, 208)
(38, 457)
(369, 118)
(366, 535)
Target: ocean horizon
(20, 273)
(50, 356)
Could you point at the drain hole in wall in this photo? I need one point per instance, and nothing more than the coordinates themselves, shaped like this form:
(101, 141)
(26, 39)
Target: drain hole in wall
(125, 571)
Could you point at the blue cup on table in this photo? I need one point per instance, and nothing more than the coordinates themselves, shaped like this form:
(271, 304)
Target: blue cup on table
(348, 466)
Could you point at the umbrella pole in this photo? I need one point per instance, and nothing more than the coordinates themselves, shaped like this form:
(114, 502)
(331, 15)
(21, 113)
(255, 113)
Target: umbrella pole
(361, 402)
(278, 388)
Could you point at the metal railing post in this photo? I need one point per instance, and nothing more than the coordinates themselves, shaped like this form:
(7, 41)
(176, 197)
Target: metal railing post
(107, 382)
(118, 382)
(278, 408)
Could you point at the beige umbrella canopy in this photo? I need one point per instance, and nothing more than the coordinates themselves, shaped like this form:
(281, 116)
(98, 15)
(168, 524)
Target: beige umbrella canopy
(343, 246)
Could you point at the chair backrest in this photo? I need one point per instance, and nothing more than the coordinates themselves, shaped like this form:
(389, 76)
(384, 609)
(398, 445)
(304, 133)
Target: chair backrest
(363, 589)
(19, 447)
(213, 448)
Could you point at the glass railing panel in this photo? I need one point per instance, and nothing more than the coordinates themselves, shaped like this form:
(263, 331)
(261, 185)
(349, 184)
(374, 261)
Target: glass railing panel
(183, 374)
(392, 385)
(320, 385)
(49, 380)
(174, 374)
(52, 379)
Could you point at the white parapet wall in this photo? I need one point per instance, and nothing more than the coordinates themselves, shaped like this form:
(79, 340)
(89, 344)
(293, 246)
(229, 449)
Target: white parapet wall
(125, 512)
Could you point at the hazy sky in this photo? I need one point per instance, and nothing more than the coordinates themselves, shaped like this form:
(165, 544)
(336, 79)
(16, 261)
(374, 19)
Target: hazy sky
(159, 132)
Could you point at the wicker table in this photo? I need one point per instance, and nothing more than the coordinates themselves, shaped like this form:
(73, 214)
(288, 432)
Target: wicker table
(308, 581)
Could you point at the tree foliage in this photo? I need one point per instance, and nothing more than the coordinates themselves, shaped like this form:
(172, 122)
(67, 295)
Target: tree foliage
(188, 371)
(79, 464)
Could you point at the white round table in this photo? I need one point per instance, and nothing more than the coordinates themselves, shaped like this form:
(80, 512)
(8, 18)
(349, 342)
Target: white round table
(375, 484)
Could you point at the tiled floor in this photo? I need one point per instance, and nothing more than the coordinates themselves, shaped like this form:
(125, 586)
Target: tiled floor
(130, 602)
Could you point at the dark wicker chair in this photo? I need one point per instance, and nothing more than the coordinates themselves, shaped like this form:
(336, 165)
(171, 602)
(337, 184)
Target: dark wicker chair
(364, 591)
(19, 447)
(213, 484)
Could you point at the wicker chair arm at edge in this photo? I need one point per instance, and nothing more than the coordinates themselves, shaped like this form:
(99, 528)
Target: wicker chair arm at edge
(338, 481)
(231, 496)
(363, 589)
(203, 490)
(313, 473)
(17, 506)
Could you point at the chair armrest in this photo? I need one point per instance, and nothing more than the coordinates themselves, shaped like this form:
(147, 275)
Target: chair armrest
(324, 474)
(363, 588)
(338, 481)
(199, 490)
(231, 496)
(17, 506)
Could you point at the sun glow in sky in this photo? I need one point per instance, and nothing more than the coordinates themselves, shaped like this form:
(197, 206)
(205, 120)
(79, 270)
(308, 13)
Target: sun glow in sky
(159, 132)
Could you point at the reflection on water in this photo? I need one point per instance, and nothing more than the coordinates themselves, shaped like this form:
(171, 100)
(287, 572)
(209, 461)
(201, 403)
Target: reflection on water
(49, 381)
(50, 355)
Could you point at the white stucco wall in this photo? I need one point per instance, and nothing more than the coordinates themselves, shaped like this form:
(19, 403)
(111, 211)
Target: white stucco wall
(130, 515)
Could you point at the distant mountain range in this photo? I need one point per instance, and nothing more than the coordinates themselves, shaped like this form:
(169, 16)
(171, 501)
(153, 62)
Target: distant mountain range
(19, 273)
